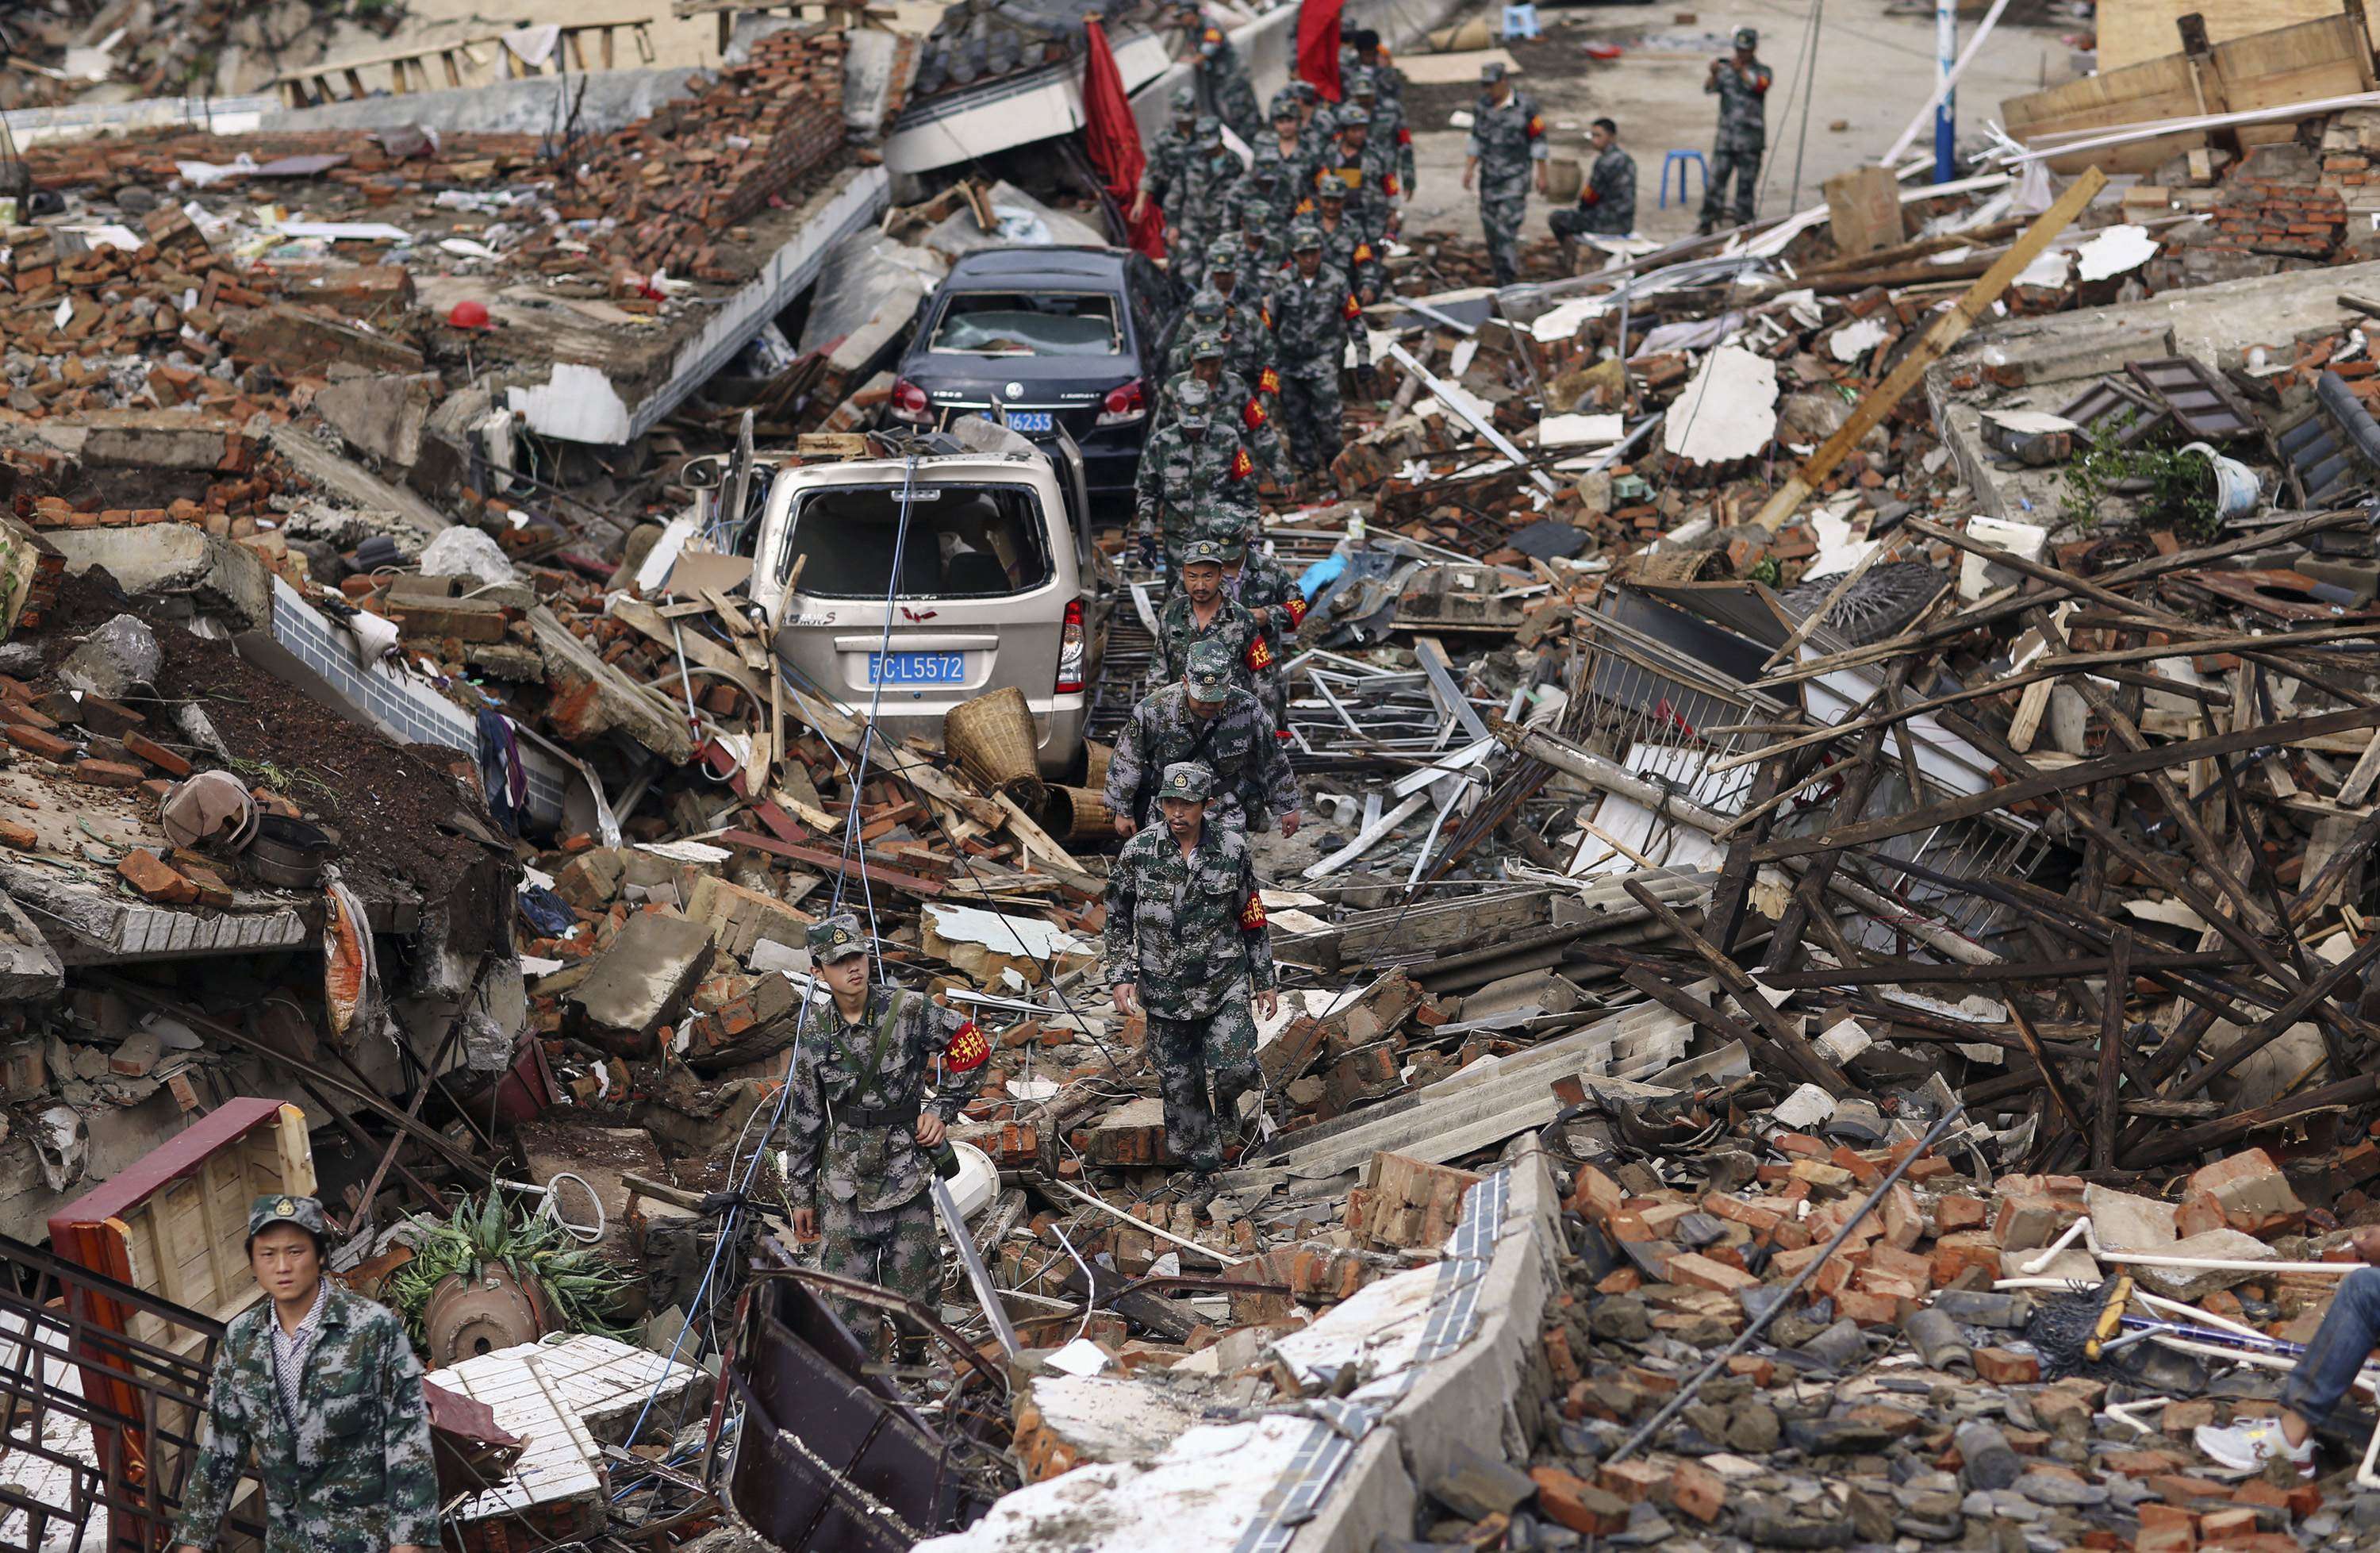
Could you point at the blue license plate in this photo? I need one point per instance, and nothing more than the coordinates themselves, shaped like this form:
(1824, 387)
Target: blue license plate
(916, 669)
(1031, 420)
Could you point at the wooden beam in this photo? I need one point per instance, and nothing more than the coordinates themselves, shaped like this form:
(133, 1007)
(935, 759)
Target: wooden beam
(1948, 330)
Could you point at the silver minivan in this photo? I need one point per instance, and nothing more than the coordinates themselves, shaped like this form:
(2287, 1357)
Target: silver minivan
(991, 582)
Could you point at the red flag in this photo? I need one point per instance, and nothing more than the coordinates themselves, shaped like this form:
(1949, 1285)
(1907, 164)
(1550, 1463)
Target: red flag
(1317, 46)
(1113, 139)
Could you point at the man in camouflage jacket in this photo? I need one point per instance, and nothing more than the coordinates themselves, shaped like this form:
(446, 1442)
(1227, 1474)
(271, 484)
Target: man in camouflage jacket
(1234, 276)
(1229, 397)
(1314, 318)
(1225, 78)
(1606, 206)
(1388, 129)
(1366, 170)
(861, 1133)
(1347, 242)
(1169, 154)
(1197, 611)
(1508, 141)
(1259, 585)
(322, 1388)
(1197, 217)
(1291, 145)
(1198, 456)
(1741, 84)
(1207, 718)
(1187, 944)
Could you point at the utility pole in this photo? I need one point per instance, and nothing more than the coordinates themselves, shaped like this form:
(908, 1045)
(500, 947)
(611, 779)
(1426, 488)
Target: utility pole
(1946, 115)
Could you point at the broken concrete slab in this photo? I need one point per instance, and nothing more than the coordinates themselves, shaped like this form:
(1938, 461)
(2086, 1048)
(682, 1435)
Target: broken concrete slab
(221, 578)
(591, 697)
(642, 981)
(382, 416)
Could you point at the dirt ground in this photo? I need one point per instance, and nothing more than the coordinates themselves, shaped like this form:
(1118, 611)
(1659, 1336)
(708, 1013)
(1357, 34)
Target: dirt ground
(1874, 72)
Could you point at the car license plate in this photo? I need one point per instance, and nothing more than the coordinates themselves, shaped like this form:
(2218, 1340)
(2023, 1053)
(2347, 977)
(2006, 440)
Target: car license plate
(916, 669)
(1031, 420)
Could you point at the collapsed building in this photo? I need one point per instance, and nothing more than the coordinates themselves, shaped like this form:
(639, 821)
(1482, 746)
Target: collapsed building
(1840, 758)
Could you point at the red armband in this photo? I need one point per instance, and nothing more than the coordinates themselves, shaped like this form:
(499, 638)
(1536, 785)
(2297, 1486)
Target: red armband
(1296, 605)
(1268, 381)
(1259, 656)
(1252, 914)
(1252, 415)
(1353, 310)
(1242, 465)
(968, 1051)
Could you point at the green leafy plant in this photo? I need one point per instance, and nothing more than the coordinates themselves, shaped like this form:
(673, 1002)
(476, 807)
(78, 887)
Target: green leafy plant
(2180, 486)
(581, 1292)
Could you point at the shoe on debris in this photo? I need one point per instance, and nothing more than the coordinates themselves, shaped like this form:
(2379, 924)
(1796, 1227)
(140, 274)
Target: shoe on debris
(2249, 1444)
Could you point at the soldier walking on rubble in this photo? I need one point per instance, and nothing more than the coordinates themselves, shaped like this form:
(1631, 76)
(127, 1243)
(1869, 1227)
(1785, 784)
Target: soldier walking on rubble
(1508, 139)
(1261, 586)
(1219, 70)
(322, 1387)
(1198, 612)
(1741, 84)
(1316, 316)
(1187, 944)
(1203, 717)
(1169, 154)
(862, 1134)
(1197, 457)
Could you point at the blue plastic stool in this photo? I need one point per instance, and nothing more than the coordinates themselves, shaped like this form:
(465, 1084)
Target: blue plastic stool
(1520, 21)
(1685, 161)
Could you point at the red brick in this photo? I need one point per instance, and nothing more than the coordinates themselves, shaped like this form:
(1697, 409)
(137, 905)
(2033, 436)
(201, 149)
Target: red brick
(33, 741)
(1578, 1504)
(2001, 1367)
(1958, 1211)
(156, 755)
(150, 874)
(1697, 1491)
(105, 773)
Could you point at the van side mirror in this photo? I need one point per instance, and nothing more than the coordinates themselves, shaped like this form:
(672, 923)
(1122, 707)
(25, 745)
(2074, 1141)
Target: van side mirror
(702, 474)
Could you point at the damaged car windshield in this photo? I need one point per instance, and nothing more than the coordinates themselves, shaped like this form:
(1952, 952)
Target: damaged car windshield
(1021, 324)
(963, 541)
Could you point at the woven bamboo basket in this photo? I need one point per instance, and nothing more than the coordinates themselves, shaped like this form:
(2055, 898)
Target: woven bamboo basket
(1095, 774)
(1077, 814)
(993, 739)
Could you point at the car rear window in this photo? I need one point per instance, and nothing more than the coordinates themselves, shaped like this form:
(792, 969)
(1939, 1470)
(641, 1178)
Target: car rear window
(1029, 323)
(963, 541)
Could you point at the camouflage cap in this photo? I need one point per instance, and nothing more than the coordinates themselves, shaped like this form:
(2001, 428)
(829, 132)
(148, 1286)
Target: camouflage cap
(1355, 115)
(1330, 188)
(1208, 347)
(1186, 102)
(1186, 780)
(1305, 90)
(1747, 37)
(1207, 306)
(1207, 671)
(1359, 82)
(306, 1213)
(1211, 130)
(1198, 552)
(1227, 529)
(1191, 402)
(1283, 103)
(836, 938)
(1224, 255)
(1303, 237)
(1266, 165)
(1491, 72)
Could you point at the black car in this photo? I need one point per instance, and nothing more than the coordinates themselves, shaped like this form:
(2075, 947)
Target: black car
(1052, 339)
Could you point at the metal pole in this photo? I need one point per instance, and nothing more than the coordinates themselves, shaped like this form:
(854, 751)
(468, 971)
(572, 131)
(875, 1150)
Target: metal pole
(1946, 114)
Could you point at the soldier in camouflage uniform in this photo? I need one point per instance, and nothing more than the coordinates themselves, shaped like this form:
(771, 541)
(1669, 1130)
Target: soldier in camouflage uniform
(1199, 455)
(1264, 588)
(1258, 198)
(1206, 192)
(1508, 139)
(1246, 325)
(1741, 84)
(1204, 717)
(322, 1387)
(1606, 206)
(1206, 315)
(860, 1133)
(1187, 943)
(1388, 129)
(1366, 174)
(1314, 317)
(1264, 248)
(1230, 397)
(1289, 142)
(1347, 242)
(1225, 78)
(1197, 611)
(1169, 154)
